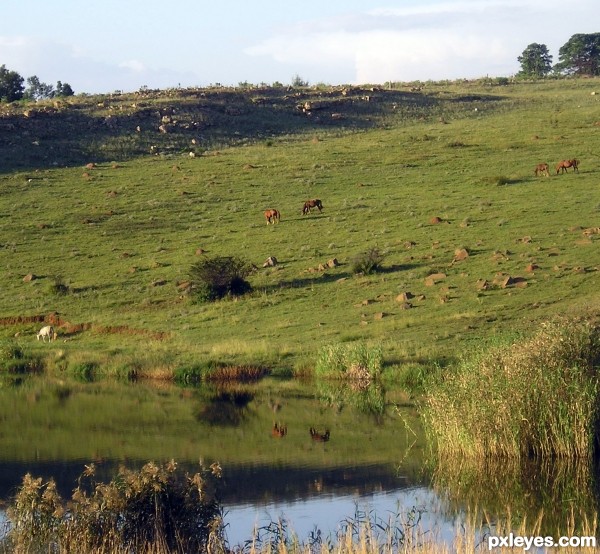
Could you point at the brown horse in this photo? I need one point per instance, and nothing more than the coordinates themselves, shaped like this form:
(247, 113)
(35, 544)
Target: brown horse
(566, 164)
(278, 431)
(309, 204)
(319, 437)
(272, 216)
(541, 169)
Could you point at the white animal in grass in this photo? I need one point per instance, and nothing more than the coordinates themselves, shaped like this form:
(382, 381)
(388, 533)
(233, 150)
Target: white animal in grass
(47, 332)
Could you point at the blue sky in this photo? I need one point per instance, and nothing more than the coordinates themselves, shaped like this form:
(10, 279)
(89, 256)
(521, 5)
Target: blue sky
(102, 46)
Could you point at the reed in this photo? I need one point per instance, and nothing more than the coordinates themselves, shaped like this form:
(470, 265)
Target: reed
(154, 509)
(537, 396)
(354, 361)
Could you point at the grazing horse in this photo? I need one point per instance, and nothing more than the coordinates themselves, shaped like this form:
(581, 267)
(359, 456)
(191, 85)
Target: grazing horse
(272, 216)
(541, 169)
(309, 204)
(566, 164)
(319, 437)
(278, 431)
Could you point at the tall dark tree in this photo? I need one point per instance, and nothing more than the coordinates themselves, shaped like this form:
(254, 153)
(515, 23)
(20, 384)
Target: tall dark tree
(36, 90)
(11, 85)
(63, 89)
(535, 61)
(580, 55)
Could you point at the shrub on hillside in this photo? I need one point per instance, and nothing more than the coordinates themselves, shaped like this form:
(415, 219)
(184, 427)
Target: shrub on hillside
(368, 262)
(220, 276)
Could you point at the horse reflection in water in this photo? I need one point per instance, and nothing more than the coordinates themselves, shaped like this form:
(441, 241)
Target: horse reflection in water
(279, 431)
(319, 437)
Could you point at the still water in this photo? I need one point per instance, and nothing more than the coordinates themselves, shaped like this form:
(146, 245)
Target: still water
(372, 465)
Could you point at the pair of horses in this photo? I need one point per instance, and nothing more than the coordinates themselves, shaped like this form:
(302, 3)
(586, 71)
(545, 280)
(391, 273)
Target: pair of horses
(273, 216)
(544, 169)
(280, 431)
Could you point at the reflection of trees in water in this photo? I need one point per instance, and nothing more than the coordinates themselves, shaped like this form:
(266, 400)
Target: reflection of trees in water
(557, 489)
(366, 396)
(225, 407)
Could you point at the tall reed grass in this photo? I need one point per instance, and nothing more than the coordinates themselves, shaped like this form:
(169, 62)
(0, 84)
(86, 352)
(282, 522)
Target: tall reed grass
(535, 397)
(355, 361)
(154, 509)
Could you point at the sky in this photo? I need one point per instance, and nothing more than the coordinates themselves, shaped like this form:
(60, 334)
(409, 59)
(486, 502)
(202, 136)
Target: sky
(109, 45)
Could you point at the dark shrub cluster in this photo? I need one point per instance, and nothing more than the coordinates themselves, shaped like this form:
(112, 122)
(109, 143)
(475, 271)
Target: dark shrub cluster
(220, 276)
(368, 262)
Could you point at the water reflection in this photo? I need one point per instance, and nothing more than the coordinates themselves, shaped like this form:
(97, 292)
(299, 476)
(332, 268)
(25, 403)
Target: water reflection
(374, 459)
(562, 492)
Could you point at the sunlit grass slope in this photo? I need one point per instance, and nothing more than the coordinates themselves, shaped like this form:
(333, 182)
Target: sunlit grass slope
(122, 236)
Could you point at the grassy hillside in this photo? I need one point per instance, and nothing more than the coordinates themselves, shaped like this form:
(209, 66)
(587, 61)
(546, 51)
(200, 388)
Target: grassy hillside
(123, 235)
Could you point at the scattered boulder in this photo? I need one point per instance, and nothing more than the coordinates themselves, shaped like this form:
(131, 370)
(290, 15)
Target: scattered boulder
(460, 254)
(482, 284)
(404, 297)
(379, 315)
(271, 261)
(29, 277)
(499, 255)
(332, 263)
(591, 231)
(405, 306)
(200, 251)
(434, 278)
(435, 220)
(531, 267)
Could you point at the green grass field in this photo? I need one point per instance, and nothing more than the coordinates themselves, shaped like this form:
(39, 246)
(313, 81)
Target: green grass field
(123, 235)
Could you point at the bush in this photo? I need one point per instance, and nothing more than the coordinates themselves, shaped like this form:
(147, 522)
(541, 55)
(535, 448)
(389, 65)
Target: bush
(13, 359)
(220, 276)
(58, 286)
(536, 397)
(368, 262)
(349, 361)
(154, 509)
(84, 371)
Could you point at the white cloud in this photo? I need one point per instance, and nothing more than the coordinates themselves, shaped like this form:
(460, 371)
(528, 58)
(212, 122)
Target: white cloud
(445, 39)
(134, 65)
(52, 61)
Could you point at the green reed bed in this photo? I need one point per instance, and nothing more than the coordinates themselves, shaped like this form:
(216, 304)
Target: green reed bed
(535, 397)
(355, 361)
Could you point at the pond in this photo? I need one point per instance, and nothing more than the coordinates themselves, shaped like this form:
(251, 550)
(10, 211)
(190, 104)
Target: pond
(374, 463)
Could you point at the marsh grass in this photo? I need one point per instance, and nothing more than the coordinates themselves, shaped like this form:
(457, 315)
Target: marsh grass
(351, 361)
(535, 397)
(404, 533)
(153, 509)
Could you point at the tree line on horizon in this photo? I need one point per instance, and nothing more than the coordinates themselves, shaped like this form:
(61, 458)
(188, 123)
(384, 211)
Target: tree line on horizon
(580, 55)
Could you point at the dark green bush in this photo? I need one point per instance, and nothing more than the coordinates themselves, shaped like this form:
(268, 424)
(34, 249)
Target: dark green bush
(58, 286)
(220, 276)
(368, 262)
